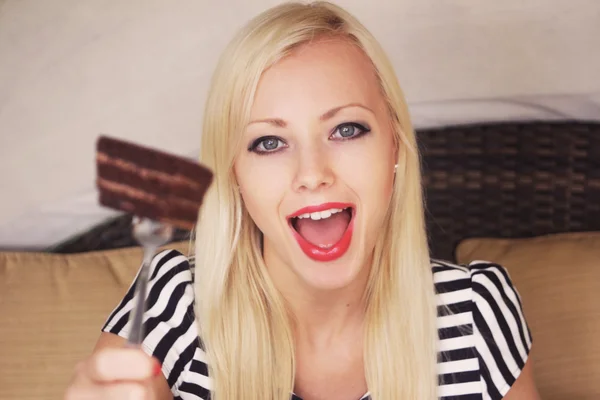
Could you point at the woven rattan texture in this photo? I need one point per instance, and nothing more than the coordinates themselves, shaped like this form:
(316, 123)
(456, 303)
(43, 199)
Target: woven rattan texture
(113, 234)
(510, 180)
(491, 180)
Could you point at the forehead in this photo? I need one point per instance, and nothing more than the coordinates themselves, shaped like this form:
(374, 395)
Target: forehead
(323, 74)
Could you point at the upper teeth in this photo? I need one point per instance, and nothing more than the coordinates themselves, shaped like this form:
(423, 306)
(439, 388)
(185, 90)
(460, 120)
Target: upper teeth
(321, 214)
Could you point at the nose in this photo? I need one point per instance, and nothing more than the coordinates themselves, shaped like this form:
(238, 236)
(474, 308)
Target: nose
(313, 171)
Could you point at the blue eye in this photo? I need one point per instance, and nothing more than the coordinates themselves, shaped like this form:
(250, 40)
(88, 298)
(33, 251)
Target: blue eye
(350, 130)
(266, 144)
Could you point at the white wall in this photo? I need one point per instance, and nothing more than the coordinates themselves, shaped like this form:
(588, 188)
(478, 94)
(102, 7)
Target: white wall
(71, 69)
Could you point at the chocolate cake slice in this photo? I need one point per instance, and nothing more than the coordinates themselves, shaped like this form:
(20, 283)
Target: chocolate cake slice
(150, 183)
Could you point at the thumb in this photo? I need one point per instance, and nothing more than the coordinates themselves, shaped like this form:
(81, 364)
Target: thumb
(122, 364)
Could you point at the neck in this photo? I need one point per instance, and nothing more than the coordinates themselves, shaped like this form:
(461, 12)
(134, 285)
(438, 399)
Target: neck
(322, 316)
(327, 313)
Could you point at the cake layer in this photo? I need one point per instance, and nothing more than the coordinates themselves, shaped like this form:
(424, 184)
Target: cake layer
(150, 183)
(152, 159)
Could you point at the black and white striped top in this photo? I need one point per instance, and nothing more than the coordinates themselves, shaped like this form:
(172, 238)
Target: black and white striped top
(484, 341)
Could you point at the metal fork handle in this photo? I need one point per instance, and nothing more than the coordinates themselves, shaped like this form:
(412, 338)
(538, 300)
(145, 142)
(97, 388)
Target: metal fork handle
(136, 317)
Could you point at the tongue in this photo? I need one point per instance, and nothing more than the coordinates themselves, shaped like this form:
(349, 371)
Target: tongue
(324, 232)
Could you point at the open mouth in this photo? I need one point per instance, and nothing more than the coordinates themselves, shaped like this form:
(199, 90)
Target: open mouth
(323, 232)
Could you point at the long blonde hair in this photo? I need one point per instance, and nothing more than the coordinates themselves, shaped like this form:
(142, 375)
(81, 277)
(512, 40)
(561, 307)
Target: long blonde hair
(242, 318)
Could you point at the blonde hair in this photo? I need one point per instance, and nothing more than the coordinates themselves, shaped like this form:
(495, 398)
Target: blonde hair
(241, 317)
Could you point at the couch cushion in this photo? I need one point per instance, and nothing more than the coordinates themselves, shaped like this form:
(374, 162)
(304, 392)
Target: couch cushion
(558, 277)
(52, 309)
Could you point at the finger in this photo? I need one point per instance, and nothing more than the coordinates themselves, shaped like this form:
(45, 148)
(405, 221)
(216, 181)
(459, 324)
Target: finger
(127, 390)
(78, 372)
(114, 391)
(122, 364)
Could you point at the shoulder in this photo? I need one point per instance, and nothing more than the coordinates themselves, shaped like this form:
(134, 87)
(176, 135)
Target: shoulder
(170, 289)
(169, 282)
(168, 263)
(488, 291)
(170, 332)
(500, 334)
(170, 296)
(477, 278)
(447, 271)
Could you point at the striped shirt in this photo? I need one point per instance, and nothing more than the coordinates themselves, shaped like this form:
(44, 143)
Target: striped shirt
(484, 338)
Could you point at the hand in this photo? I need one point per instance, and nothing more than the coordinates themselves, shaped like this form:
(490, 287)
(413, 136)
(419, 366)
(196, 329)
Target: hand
(114, 373)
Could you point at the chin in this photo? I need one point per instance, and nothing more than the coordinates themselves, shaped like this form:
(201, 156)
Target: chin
(338, 273)
(330, 276)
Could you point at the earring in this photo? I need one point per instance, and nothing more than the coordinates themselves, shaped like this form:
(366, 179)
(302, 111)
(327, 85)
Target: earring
(395, 168)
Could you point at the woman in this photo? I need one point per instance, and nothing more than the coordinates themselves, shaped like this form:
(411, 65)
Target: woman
(312, 278)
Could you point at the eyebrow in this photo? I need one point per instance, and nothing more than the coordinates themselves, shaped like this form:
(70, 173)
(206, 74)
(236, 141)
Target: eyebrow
(280, 123)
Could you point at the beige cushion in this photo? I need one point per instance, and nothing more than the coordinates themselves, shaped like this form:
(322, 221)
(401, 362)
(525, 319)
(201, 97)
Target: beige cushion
(52, 308)
(558, 278)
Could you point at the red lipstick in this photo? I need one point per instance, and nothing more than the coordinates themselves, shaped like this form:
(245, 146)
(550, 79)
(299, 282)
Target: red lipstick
(324, 254)
(320, 207)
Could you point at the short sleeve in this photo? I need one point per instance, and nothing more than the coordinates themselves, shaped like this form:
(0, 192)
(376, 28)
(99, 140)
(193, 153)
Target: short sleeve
(169, 323)
(502, 336)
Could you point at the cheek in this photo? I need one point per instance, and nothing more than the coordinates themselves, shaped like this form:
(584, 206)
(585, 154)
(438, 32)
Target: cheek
(371, 172)
(376, 196)
(262, 188)
(374, 186)
(370, 175)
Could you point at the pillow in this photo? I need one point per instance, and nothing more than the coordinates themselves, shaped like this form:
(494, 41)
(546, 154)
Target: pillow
(53, 307)
(558, 278)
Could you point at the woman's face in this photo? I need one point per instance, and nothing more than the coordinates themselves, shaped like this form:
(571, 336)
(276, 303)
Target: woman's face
(317, 166)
